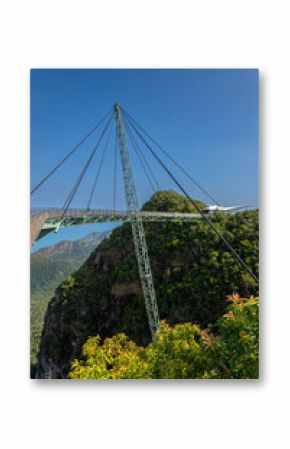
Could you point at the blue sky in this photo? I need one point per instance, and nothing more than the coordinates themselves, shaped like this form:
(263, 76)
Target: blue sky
(206, 119)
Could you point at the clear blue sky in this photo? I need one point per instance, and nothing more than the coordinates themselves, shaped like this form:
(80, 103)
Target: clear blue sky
(206, 119)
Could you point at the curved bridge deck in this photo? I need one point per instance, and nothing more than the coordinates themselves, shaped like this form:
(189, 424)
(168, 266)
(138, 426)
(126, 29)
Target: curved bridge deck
(45, 220)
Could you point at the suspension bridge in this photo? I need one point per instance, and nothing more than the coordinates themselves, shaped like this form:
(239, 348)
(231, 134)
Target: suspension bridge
(45, 220)
(48, 220)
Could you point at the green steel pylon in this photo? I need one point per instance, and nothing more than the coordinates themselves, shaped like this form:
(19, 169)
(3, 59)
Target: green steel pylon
(141, 250)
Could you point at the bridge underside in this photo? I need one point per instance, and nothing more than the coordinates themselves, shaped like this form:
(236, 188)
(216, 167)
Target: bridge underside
(46, 221)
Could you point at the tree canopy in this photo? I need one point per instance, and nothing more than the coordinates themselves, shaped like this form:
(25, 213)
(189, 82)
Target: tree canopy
(229, 350)
(192, 269)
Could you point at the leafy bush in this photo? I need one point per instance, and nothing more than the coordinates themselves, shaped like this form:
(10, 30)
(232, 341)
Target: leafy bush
(184, 351)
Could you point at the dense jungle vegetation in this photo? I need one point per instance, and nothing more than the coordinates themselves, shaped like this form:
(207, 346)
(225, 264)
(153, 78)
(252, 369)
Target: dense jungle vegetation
(228, 350)
(193, 274)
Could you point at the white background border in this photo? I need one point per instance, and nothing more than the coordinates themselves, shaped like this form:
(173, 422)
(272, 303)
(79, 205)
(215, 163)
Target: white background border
(211, 414)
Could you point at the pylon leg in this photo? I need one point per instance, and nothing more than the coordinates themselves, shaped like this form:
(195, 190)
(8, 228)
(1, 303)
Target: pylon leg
(138, 232)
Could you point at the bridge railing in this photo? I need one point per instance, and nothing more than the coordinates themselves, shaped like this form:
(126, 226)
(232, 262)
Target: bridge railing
(100, 212)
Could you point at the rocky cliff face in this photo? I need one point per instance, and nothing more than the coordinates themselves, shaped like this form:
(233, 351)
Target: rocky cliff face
(192, 272)
(88, 303)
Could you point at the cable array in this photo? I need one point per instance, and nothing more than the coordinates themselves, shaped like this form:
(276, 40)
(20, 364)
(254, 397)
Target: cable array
(99, 167)
(143, 162)
(83, 172)
(171, 158)
(194, 203)
(136, 134)
(75, 148)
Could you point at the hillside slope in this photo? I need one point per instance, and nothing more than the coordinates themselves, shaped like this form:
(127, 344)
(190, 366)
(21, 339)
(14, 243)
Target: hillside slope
(48, 268)
(193, 274)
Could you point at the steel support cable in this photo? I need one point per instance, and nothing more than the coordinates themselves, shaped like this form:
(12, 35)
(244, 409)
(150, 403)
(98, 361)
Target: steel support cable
(69, 154)
(170, 158)
(78, 181)
(128, 116)
(99, 167)
(138, 156)
(138, 149)
(115, 171)
(142, 160)
(217, 232)
(74, 191)
(176, 163)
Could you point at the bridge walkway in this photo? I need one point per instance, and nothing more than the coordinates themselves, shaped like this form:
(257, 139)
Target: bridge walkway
(45, 220)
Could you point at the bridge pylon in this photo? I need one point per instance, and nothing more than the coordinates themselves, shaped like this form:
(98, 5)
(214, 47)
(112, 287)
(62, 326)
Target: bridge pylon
(138, 232)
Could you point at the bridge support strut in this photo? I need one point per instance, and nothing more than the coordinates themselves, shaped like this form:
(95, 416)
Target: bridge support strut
(141, 250)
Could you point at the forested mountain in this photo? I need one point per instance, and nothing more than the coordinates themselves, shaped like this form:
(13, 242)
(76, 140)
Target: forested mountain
(49, 267)
(193, 274)
(52, 262)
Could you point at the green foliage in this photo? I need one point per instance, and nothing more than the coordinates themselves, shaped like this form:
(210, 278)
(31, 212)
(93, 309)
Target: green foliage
(170, 201)
(67, 285)
(193, 274)
(46, 275)
(48, 268)
(45, 269)
(184, 351)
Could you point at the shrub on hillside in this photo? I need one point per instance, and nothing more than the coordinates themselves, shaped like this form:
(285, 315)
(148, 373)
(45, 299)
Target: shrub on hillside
(185, 351)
